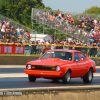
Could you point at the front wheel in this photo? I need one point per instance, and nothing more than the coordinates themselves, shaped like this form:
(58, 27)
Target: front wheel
(67, 77)
(88, 77)
(31, 78)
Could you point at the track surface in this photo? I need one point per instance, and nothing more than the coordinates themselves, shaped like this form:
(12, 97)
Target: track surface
(16, 78)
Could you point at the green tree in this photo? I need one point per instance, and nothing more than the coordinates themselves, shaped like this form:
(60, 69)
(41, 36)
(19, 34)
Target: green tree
(93, 10)
(48, 8)
(20, 10)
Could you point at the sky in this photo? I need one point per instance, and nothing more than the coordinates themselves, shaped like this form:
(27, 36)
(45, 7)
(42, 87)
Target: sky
(77, 6)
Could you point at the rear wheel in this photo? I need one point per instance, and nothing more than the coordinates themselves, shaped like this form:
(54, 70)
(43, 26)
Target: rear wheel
(88, 77)
(31, 78)
(67, 77)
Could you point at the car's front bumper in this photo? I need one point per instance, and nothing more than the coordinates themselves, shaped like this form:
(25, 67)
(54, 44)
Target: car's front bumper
(41, 73)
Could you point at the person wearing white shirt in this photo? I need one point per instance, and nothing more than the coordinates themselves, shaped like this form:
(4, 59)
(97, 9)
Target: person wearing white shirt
(18, 31)
(95, 21)
(3, 29)
(8, 24)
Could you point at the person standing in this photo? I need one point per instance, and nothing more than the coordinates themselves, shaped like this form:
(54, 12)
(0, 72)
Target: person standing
(33, 48)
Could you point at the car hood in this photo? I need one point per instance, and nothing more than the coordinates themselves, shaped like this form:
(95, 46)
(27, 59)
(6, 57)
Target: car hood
(49, 61)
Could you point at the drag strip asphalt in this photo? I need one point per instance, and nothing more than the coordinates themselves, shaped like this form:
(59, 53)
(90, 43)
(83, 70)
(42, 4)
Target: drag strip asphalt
(12, 77)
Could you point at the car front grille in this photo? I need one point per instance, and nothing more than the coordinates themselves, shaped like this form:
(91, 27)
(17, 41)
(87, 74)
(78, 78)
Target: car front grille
(39, 67)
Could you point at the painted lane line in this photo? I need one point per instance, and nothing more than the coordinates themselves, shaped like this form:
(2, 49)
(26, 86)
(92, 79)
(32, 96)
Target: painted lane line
(12, 66)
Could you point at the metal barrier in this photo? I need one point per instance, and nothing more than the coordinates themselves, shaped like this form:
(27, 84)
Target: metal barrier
(68, 29)
(87, 50)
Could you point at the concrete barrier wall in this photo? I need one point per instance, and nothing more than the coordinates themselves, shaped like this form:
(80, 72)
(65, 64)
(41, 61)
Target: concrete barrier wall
(97, 61)
(22, 60)
(56, 95)
(16, 60)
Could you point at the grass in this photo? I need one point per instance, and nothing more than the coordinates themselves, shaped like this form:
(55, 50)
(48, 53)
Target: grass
(29, 55)
(20, 55)
(94, 57)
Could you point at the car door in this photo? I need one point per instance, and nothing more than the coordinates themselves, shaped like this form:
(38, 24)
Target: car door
(76, 66)
(83, 65)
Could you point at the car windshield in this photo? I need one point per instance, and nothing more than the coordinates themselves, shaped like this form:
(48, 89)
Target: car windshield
(58, 54)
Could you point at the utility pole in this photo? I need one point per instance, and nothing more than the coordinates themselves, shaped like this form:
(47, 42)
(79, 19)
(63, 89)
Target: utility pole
(54, 35)
(66, 35)
(43, 29)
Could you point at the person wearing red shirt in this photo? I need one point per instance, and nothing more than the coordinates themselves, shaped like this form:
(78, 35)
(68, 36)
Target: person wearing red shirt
(96, 37)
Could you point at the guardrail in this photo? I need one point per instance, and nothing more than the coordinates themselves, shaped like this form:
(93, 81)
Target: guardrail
(34, 48)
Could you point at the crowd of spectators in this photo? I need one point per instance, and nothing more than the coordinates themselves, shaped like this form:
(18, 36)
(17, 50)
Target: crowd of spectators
(8, 34)
(91, 24)
(58, 19)
(87, 27)
(40, 46)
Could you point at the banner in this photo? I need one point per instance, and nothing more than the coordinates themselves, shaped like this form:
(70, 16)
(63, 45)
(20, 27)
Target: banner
(19, 50)
(11, 49)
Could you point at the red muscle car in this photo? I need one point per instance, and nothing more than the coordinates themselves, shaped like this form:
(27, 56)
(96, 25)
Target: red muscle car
(61, 64)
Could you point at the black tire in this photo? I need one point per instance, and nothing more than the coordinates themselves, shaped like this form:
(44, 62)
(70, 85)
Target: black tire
(31, 78)
(67, 77)
(88, 77)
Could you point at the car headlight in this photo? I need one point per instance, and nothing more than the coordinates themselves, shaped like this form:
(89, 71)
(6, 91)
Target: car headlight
(58, 68)
(28, 66)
